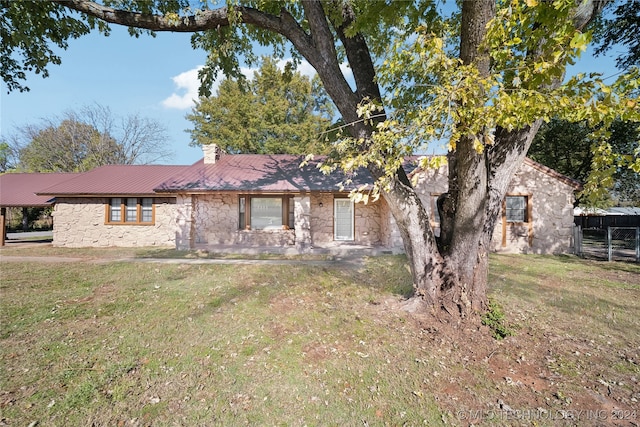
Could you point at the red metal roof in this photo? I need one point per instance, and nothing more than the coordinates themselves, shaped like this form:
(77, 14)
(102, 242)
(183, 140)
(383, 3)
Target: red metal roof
(255, 172)
(19, 189)
(240, 172)
(114, 180)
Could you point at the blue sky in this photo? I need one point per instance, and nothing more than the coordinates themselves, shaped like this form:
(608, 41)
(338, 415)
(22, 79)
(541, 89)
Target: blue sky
(153, 77)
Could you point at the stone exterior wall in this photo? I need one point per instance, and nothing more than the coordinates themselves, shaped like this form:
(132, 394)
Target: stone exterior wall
(551, 215)
(80, 222)
(551, 221)
(184, 222)
(368, 226)
(216, 218)
(321, 219)
(302, 223)
(214, 221)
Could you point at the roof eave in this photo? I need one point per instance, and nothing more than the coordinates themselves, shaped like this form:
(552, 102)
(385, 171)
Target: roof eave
(577, 185)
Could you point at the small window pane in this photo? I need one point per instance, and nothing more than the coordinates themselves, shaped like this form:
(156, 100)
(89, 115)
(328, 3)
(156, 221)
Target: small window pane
(115, 211)
(266, 213)
(132, 209)
(516, 208)
(241, 214)
(434, 206)
(147, 210)
(292, 214)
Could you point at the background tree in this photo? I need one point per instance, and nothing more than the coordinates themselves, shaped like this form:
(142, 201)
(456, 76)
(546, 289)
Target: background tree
(625, 138)
(80, 141)
(565, 147)
(569, 148)
(71, 146)
(484, 78)
(277, 112)
(6, 157)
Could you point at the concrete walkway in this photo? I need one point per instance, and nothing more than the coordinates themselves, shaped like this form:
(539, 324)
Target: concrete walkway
(354, 260)
(334, 255)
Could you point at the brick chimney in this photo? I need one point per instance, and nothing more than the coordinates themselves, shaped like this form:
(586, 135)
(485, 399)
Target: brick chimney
(211, 152)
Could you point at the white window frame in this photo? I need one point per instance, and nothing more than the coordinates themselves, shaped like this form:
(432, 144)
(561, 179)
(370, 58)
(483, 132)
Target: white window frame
(338, 218)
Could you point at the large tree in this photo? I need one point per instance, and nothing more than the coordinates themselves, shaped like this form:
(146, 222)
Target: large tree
(82, 140)
(483, 77)
(276, 112)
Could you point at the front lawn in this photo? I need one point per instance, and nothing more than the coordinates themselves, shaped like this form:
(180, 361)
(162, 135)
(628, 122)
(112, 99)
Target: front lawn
(126, 343)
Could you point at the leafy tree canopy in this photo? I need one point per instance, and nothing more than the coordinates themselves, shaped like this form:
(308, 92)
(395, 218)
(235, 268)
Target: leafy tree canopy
(31, 30)
(615, 173)
(6, 153)
(277, 112)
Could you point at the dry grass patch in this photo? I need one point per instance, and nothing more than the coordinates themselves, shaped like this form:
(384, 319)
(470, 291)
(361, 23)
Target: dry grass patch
(127, 343)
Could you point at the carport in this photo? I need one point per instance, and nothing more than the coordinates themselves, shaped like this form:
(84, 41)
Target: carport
(17, 190)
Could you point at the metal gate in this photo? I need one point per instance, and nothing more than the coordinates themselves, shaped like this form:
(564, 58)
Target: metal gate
(612, 243)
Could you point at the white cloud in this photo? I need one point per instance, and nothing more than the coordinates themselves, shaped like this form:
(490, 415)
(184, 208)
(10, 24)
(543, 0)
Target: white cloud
(303, 68)
(187, 85)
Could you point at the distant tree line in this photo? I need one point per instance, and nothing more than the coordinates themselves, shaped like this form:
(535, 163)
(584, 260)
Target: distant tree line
(81, 140)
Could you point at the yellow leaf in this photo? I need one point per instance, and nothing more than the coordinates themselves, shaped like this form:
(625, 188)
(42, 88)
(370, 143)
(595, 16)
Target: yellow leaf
(532, 3)
(477, 145)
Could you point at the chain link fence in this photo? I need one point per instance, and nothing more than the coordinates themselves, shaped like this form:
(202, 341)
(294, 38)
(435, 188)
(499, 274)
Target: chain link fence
(611, 243)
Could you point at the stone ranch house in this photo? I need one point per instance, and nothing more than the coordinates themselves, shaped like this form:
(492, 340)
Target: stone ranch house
(270, 202)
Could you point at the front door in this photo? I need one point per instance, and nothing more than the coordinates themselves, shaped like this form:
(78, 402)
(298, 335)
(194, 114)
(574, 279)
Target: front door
(343, 219)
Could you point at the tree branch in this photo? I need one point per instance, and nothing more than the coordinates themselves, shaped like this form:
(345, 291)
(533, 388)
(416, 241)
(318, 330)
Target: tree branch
(327, 64)
(318, 47)
(202, 21)
(359, 57)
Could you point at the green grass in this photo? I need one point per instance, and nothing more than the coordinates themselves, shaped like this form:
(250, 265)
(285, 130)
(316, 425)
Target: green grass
(124, 343)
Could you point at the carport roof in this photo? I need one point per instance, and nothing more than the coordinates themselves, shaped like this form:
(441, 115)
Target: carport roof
(19, 189)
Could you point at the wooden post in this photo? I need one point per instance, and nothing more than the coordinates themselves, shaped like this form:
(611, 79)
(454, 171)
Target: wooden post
(3, 228)
(609, 243)
(25, 219)
(637, 244)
